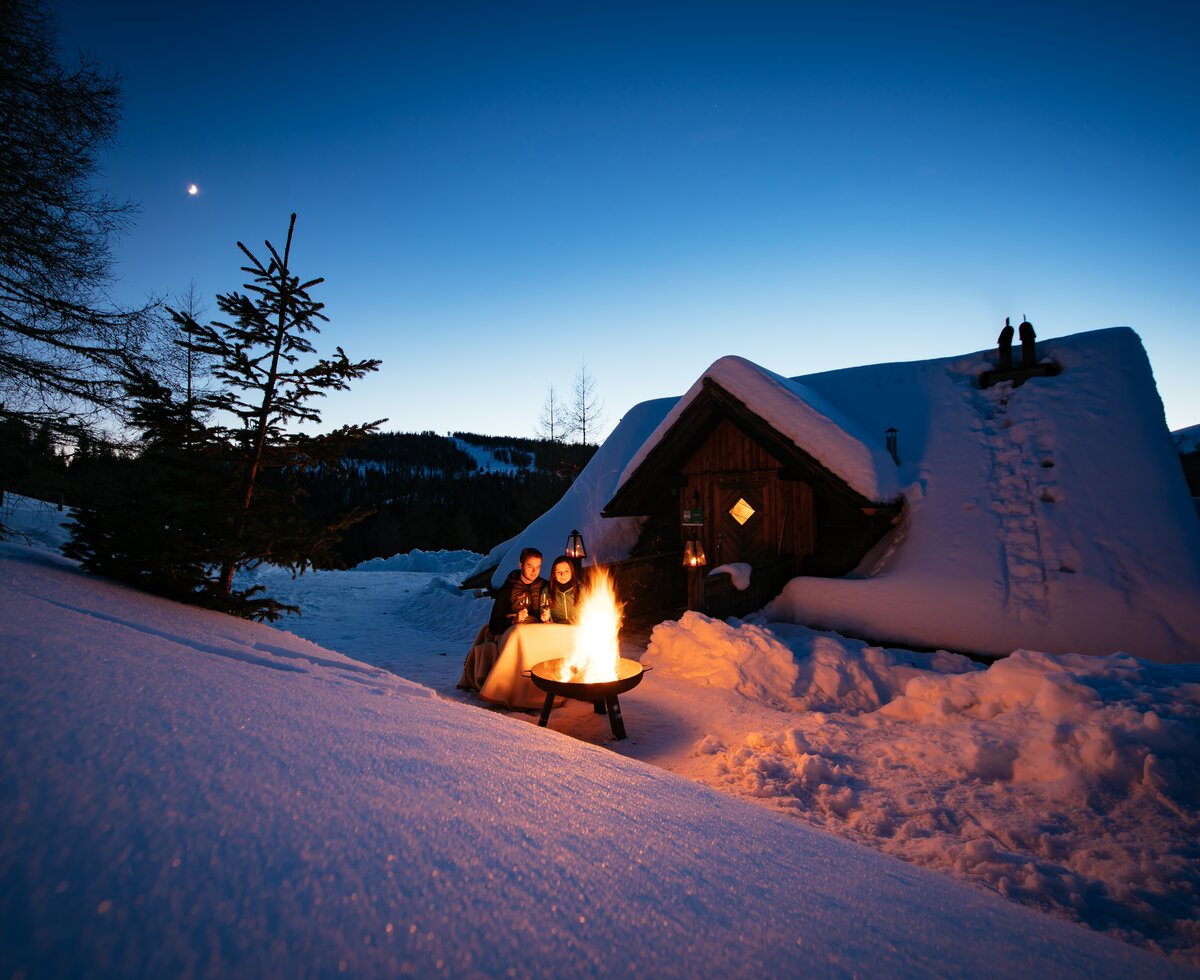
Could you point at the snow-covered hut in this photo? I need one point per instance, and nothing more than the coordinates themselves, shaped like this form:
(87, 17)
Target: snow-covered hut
(938, 503)
(759, 470)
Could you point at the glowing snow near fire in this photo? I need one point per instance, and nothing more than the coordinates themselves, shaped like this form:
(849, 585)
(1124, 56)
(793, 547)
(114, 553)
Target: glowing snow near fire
(597, 651)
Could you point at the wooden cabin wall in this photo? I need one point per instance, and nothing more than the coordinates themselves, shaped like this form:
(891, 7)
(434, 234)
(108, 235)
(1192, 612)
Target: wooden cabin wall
(846, 534)
(728, 464)
(803, 525)
(652, 583)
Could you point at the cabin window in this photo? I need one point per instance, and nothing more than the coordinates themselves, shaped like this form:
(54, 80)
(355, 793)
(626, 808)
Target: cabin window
(741, 511)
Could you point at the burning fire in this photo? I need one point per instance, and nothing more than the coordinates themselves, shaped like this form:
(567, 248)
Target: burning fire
(597, 651)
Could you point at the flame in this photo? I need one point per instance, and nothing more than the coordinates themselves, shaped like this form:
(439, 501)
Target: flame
(597, 651)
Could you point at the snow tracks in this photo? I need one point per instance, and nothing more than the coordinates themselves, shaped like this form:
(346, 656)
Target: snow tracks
(1020, 451)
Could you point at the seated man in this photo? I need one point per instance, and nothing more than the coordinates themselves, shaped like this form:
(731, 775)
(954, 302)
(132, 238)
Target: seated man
(524, 597)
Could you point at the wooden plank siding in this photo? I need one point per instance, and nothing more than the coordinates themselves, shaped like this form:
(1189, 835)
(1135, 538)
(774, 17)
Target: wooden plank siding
(807, 521)
(728, 465)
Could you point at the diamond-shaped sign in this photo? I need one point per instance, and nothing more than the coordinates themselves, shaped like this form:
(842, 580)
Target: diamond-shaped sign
(741, 511)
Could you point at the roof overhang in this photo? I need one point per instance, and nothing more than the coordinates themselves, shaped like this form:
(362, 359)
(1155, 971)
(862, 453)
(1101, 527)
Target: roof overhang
(662, 465)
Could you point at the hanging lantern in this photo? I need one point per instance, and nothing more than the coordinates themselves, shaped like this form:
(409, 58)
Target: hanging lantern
(574, 548)
(693, 554)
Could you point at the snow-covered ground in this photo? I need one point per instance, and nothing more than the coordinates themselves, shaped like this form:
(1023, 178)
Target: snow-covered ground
(184, 792)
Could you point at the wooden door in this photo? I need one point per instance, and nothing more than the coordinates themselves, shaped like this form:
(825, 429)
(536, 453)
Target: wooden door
(777, 522)
(740, 510)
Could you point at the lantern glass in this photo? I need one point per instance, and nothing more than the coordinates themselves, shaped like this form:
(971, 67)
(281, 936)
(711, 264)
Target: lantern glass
(693, 554)
(575, 548)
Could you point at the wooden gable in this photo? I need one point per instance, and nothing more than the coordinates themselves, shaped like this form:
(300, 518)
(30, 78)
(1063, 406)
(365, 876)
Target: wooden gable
(759, 499)
(760, 446)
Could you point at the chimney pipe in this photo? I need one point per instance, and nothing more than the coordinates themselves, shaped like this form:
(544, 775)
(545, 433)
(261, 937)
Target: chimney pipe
(891, 434)
(1005, 342)
(1028, 347)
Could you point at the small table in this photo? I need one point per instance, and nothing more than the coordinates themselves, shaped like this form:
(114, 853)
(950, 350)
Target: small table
(521, 647)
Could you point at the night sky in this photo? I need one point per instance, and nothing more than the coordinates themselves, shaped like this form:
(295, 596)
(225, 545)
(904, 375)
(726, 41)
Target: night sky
(497, 193)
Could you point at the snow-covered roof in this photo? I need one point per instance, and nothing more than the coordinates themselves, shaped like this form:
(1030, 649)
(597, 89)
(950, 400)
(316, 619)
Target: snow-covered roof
(1051, 515)
(798, 412)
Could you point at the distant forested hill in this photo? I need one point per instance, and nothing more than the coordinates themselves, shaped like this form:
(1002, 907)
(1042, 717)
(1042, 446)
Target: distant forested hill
(431, 491)
(426, 490)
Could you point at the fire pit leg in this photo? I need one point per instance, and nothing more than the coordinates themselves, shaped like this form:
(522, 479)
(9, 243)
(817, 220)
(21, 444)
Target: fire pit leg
(614, 717)
(598, 707)
(545, 719)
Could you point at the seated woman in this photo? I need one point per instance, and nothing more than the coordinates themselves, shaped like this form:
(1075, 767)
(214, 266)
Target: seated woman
(564, 591)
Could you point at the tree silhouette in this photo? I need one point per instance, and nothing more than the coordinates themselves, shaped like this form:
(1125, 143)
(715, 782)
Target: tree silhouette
(218, 482)
(552, 423)
(585, 413)
(257, 357)
(61, 348)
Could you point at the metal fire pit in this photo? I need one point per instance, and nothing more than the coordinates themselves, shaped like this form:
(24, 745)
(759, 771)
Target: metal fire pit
(602, 694)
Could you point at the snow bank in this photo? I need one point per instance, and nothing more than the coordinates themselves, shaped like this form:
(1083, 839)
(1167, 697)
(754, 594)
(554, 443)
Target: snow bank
(1069, 783)
(791, 666)
(1053, 516)
(439, 562)
(35, 522)
(440, 607)
(1077, 724)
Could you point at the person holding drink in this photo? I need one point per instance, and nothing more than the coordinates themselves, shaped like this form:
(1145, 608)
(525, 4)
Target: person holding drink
(523, 598)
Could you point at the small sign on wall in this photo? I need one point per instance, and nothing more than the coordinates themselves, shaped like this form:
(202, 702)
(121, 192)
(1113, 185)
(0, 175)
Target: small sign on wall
(693, 517)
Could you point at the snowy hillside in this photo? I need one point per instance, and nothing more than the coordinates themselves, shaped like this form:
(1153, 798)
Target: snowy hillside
(1187, 440)
(188, 793)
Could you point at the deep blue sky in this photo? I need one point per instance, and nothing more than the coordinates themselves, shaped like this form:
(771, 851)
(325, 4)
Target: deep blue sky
(498, 192)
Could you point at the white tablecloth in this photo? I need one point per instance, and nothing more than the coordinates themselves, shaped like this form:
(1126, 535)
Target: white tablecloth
(520, 648)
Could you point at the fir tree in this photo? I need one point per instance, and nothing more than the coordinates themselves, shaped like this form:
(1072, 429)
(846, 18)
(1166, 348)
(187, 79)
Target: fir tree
(217, 483)
(257, 358)
(148, 518)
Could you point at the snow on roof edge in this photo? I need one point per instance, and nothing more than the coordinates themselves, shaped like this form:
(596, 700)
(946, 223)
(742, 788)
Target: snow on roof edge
(800, 414)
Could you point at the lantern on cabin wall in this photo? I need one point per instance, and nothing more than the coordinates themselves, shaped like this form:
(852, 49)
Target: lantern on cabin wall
(574, 548)
(694, 558)
(694, 561)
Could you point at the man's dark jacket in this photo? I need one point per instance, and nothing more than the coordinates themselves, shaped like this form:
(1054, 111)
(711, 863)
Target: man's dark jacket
(516, 594)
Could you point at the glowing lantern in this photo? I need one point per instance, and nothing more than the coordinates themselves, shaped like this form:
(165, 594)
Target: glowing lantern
(574, 548)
